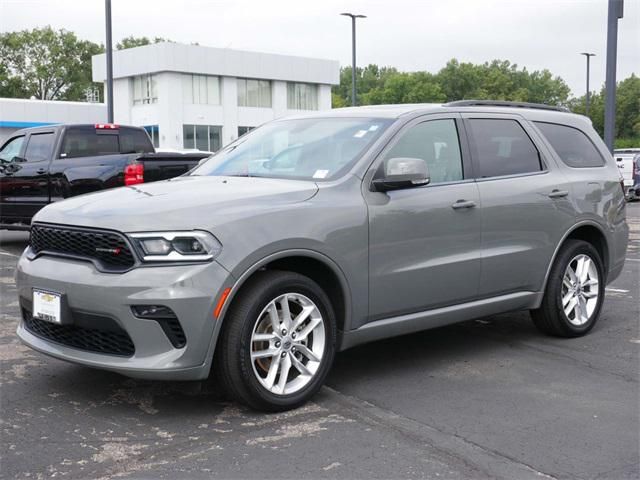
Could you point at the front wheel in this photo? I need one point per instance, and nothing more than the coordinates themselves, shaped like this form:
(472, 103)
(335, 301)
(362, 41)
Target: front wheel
(278, 342)
(575, 292)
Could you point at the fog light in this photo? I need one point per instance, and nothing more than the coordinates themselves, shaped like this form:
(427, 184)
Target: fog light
(153, 312)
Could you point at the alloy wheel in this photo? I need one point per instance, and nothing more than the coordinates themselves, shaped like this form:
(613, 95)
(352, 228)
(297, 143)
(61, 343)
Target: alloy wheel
(580, 289)
(287, 343)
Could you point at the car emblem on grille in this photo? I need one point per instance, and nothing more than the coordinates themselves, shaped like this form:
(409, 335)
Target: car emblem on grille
(114, 251)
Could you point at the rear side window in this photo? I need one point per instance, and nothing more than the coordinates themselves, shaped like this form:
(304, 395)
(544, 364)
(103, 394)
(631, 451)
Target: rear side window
(572, 145)
(502, 147)
(134, 141)
(39, 147)
(87, 143)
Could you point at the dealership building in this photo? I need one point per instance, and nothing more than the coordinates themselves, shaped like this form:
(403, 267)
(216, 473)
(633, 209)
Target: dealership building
(190, 96)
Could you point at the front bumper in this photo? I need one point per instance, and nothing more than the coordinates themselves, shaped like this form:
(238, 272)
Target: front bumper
(191, 291)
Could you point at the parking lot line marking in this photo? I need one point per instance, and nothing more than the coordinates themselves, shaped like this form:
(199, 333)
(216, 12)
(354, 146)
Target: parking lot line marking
(616, 290)
(633, 259)
(8, 254)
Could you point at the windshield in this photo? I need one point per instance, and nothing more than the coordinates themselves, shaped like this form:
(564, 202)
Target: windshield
(308, 149)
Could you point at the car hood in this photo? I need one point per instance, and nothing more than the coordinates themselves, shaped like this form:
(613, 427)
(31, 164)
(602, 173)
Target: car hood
(186, 202)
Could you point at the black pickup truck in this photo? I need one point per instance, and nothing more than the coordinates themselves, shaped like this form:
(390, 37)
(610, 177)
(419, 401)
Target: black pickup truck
(46, 164)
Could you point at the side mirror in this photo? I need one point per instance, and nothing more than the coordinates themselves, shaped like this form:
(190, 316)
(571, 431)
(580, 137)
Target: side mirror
(401, 172)
(17, 159)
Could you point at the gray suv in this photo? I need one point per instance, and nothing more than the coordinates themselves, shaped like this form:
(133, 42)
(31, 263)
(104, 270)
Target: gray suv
(316, 233)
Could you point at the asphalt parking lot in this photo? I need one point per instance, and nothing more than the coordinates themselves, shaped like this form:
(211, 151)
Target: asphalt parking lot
(490, 398)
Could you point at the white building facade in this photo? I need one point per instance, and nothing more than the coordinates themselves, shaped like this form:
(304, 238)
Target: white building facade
(17, 113)
(190, 96)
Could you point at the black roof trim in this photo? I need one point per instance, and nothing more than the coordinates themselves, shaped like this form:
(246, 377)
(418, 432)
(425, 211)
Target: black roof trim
(502, 103)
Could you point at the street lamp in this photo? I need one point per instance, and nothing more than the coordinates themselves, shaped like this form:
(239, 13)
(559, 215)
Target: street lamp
(353, 54)
(588, 55)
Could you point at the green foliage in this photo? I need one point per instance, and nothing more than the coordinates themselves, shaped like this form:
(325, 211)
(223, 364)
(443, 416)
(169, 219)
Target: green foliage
(626, 143)
(496, 80)
(627, 110)
(131, 42)
(46, 64)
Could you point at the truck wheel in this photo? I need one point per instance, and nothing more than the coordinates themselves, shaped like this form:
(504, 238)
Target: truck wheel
(278, 341)
(574, 294)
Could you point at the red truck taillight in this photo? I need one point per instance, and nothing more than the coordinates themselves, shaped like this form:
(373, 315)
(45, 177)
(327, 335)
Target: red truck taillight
(134, 174)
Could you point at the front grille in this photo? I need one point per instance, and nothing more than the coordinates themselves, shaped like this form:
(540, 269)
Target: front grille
(109, 250)
(111, 341)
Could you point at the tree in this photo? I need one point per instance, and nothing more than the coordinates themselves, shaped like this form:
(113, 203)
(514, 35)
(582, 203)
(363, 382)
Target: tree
(131, 42)
(46, 64)
(496, 80)
(627, 111)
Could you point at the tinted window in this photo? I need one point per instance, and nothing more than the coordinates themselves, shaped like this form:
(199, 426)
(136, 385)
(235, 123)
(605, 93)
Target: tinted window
(572, 146)
(87, 143)
(502, 147)
(39, 147)
(437, 143)
(11, 149)
(134, 141)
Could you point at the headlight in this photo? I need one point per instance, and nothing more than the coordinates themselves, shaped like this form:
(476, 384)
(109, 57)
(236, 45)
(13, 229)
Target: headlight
(190, 246)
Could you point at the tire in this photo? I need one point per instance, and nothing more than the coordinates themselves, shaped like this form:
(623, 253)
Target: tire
(251, 315)
(551, 318)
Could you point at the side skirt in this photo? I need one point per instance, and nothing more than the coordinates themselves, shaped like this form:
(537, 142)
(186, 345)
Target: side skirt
(415, 322)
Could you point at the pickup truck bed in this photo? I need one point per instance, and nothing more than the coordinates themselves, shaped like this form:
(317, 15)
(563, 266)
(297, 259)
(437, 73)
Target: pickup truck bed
(48, 164)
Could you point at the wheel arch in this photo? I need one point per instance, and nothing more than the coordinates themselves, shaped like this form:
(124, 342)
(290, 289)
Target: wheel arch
(591, 233)
(317, 266)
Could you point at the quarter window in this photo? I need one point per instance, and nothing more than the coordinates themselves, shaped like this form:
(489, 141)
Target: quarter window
(254, 93)
(11, 149)
(39, 147)
(502, 147)
(572, 145)
(436, 142)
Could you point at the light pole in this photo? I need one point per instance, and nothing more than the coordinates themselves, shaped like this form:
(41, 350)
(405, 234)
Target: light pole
(588, 55)
(616, 11)
(107, 14)
(353, 54)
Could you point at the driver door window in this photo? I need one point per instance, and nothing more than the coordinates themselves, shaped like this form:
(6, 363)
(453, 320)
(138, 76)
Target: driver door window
(435, 142)
(11, 149)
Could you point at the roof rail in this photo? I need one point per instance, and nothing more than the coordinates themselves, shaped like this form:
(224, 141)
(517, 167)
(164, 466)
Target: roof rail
(504, 103)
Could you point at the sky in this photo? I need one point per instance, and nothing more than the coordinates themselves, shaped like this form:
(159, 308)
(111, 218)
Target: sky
(411, 35)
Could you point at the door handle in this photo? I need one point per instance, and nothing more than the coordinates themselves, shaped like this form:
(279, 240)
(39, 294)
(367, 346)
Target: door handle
(40, 171)
(558, 193)
(463, 204)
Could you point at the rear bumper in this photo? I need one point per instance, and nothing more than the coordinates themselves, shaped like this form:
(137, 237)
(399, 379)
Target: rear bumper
(190, 291)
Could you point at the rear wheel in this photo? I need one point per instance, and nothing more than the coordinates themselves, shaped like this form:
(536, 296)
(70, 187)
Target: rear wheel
(278, 342)
(575, 292)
